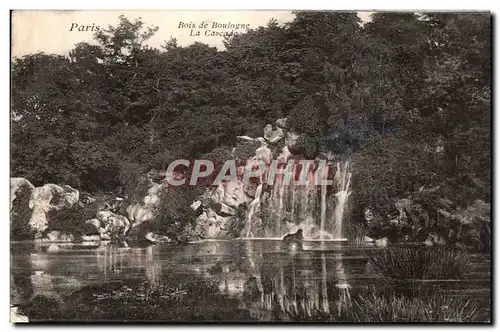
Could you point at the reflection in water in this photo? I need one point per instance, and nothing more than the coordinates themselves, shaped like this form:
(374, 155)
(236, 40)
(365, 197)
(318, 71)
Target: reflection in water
(302, 284)
(271, 279)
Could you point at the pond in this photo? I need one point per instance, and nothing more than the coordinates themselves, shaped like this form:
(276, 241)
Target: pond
(244, 281)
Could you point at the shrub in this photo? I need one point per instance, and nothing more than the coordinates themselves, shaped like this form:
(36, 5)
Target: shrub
(70, 221)
(175, 214)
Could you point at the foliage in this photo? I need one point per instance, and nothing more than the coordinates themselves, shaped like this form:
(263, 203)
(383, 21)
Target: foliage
(72, 221)
(406, 95)
(175, 216)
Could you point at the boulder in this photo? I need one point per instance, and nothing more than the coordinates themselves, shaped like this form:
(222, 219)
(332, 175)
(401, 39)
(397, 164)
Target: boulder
(403, 206)
(49, 197)
(196, 205)
(273, 136)
(226, 211)
(20, 212)
(245, 139)
(268, 130)
(291, 139)
(113, 224)
(57, 236)
(234, 194)
(139, 213)
(18, 184)
(263, 154)
(282, 123)
(297, 236)
(434, 239)
(209, 225)
(250, 189)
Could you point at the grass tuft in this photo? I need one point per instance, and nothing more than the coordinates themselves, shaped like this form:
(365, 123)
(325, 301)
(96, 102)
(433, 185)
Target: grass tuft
(418, 263)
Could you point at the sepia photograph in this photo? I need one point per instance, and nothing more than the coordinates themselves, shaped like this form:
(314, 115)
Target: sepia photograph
(258, 166)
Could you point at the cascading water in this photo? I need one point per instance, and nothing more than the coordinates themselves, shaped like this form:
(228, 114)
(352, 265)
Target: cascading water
(317, 209)
(342, 181)
(253, 208)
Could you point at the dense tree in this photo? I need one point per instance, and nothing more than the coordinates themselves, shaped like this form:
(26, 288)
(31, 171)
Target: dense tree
(406, 96)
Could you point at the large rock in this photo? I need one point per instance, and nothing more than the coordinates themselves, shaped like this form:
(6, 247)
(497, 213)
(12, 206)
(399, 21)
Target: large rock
(20, 213)
(18, 184)
(291, 139)
(144, 211)
(47, 198)
(273, 136)
(226, 211)
(245, 139)
(113, 224)
(234, 194)
(262, 154)
(282, 123)
(57, 236)
(209, 225)
(196, 205)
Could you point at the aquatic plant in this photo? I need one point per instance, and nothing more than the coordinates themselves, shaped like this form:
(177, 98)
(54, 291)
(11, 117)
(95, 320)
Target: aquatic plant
(355, 233)
(399, 308)
(418, 263)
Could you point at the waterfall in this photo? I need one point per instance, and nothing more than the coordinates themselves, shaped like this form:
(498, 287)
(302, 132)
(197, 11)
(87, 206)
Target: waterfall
(323, 208)
(342, 181)
(293, 205)
(254, 207)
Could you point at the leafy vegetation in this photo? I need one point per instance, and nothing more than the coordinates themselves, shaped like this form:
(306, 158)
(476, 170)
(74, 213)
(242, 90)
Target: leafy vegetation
(407, 96)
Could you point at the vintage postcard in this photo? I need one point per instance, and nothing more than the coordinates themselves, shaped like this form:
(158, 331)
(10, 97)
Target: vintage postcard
(250, 166)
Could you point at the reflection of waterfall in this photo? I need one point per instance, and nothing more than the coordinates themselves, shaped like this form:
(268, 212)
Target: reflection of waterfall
(324, 288)
(303, 286)
(300, 199)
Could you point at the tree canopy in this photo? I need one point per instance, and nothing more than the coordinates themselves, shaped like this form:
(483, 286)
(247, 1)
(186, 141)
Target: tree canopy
(390, 92)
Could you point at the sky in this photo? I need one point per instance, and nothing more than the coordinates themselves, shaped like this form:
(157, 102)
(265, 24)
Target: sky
(49, 31)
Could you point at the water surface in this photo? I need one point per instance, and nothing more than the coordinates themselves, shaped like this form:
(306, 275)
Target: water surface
(260, 275)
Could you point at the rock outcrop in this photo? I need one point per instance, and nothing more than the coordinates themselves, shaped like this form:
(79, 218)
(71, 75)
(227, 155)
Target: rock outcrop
(20, 213)
(49, 197)
(17, 185)
(144, 211)
(30, 206)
